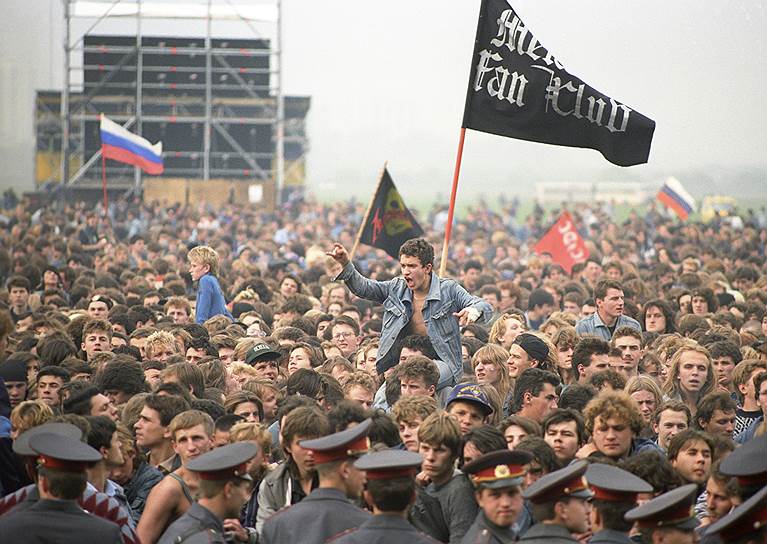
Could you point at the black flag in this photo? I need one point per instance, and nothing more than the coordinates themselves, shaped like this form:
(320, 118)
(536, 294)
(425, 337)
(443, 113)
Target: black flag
(518, 89)
(389, 223)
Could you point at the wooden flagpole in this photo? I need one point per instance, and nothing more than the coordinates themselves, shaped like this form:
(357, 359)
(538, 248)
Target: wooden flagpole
(451, 211)
(367, 214)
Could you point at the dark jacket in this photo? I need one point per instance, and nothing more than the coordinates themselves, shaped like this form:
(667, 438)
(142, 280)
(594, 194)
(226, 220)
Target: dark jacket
(145, 477)
(57, 521)
(383, 529)
(541, 533)
(456, 499)
(94, 502)
(324, 513)
(608, 536)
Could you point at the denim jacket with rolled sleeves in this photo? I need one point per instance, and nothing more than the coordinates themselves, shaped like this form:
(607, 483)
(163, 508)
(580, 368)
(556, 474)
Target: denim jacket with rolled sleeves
(445, 297)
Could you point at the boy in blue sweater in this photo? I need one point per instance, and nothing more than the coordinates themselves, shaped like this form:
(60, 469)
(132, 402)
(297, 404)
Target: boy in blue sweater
(203, 266)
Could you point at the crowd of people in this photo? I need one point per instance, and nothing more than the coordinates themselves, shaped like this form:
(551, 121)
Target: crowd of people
(195, 374)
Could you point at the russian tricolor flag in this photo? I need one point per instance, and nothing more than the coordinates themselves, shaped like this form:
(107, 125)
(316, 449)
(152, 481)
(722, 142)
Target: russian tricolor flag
(675, 197)
(120, 145)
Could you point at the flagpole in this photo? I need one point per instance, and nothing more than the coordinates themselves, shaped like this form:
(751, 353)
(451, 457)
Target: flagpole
(104, 182)
(367, 213)
(451, 210)
(459, 155)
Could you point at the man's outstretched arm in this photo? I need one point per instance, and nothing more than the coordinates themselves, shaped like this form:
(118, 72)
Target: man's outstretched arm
(357, 283)
(472, 308)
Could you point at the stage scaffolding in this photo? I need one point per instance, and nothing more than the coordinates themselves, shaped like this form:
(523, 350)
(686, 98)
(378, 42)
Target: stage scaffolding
(228, 99)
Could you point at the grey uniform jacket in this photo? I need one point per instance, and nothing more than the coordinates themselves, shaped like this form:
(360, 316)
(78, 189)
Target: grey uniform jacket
(541, 533)
(383, 529)
(608, 536)
(322, 514)
(483, 531)
(196, 526)
(57, 521)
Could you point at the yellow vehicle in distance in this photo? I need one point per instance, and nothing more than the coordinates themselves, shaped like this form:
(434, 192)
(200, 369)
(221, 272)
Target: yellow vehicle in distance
(716, 206)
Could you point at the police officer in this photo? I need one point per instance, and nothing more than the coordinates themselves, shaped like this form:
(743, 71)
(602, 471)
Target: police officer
(390, 492)
(561, 506)
(615, 493)
(746, 524)
(327, 510)
(497, 477)
(669, 517)
(225, 486)
(748, 463)
(61, 480)
(95, 502)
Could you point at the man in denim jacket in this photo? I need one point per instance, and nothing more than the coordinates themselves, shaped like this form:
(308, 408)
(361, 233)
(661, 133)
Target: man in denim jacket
(420, 302)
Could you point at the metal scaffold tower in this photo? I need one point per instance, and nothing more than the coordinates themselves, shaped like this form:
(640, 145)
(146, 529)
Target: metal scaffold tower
(203, 76)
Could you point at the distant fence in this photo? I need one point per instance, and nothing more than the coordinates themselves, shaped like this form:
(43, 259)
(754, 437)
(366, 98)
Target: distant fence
(619, 192)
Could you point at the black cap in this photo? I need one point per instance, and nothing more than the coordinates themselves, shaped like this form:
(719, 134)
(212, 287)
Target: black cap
(613, 484)
(675, 509)
(534, 347)
(13, 371)
(745, 519)
(339, 446)
(225, 463)
(63, 452)
(261, 352)
(497, 469)
(748, 463)
(567, 482)
(21, 444)
(389, 464)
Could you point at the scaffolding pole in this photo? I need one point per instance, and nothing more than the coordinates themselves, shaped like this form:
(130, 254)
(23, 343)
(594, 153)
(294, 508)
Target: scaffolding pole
(280, 151)
(139, 94)
(65, 106)
(206, 137)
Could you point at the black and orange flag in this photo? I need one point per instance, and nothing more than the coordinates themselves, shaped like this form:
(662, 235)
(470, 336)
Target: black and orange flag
(388, 223)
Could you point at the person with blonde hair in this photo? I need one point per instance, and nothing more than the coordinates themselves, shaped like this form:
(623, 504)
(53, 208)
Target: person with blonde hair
(506, 328)
(191, 434)
(360, 387)
(28, 414)
(690, 376)
(243, 373)
(646, 393)
(257, 467)
(160, 346)
(203, 266)
(489, 364)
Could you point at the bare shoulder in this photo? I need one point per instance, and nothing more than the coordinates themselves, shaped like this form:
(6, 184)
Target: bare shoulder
(167, 489)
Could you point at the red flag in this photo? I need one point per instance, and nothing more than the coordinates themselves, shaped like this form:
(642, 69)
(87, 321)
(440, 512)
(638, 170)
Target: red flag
(563, 243)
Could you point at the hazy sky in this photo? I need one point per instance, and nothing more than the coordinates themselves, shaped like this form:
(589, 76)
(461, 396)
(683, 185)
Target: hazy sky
(388, 82)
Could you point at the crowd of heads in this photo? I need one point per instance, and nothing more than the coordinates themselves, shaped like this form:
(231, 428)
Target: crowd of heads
(98, 321)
